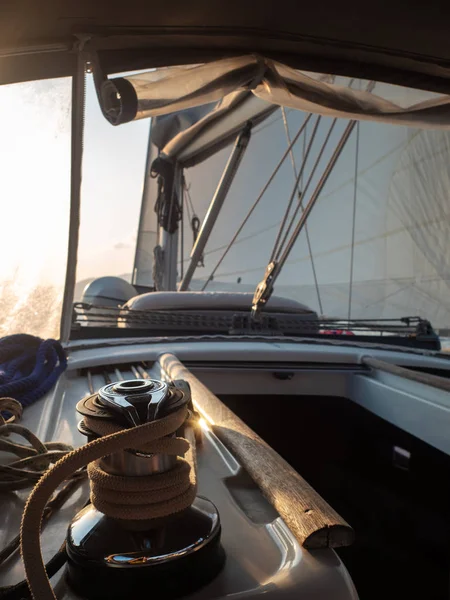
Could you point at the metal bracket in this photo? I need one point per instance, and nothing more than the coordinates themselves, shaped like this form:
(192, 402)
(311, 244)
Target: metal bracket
(263, 291)
(244, 325)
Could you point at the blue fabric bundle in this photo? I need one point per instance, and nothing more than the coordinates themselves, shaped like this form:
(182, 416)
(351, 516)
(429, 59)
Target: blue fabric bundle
(29, 366)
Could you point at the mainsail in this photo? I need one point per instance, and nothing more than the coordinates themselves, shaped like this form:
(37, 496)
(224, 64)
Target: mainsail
(377, 235)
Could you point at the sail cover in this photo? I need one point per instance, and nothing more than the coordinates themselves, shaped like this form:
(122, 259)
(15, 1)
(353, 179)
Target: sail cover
(172, 89)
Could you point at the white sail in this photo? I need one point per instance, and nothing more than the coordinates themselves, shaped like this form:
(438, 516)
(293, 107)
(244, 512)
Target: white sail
(400, 255)
(374, 244)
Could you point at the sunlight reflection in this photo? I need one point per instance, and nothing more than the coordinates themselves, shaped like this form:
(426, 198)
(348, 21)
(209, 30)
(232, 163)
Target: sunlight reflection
(35, 189)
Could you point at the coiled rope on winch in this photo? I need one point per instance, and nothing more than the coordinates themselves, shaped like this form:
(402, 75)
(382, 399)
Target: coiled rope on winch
(150, 438)
(147, 496)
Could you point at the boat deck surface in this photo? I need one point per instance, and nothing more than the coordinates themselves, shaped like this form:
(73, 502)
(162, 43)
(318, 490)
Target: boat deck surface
(262, 554)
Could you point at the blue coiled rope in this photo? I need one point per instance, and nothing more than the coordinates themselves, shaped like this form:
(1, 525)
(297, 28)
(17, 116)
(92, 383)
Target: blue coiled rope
(29, 366)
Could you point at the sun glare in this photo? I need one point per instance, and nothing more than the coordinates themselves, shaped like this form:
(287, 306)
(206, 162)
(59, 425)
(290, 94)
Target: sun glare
(35, 191)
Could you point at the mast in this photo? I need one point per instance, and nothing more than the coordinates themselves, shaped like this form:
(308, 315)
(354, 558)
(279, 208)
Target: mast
(147, 235)
(155, 262)
(216, 204)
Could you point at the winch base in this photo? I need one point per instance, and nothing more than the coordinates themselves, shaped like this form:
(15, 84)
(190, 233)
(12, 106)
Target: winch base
(108, 559)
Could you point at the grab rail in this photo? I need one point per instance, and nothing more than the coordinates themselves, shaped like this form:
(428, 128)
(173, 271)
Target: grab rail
(309, 517)
(441, 383)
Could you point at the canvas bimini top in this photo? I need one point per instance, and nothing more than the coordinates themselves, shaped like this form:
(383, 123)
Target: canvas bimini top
(396, 42)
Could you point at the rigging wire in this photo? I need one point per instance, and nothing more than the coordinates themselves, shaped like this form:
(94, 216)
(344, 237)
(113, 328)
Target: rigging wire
(188, 194)
(278, 246)
(269, 123)
(279, 256)
(295, 188)
(300, 196)
(182, 203)
(327, 195)
(308, 183)
(255, 204)
(189, 214)
(326, 173)
(374, 281)
(303, 154)
(340, 248)
(400, 289)
(352, 251)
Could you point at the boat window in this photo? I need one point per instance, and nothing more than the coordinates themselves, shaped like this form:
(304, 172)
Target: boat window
(35, 195)
(113, 176)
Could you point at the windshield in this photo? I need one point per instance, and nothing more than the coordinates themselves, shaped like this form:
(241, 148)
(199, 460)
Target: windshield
(113, 177)
(374, 246)
(35, 195)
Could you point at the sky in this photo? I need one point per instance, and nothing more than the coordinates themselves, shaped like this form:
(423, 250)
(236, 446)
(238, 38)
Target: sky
(113, 177)
(35, 183)
(35, 200)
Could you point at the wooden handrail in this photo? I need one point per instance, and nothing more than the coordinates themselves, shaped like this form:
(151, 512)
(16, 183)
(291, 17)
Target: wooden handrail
(309, 517)
(440, 383)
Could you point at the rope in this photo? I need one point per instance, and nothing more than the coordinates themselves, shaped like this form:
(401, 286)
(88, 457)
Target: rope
(24, 473)
(145, 497)
(144, 437)
(283, 254)
(10, 408)
(20, 591)
(29, 366)
(17, 475)
(57, 501)
(33, 459)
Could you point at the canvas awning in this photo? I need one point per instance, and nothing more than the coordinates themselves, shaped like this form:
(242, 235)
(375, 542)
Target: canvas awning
(396, 42)
(231, 80)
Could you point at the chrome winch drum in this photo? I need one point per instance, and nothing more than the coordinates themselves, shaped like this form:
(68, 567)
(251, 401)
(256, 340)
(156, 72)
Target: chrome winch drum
(167, 557)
